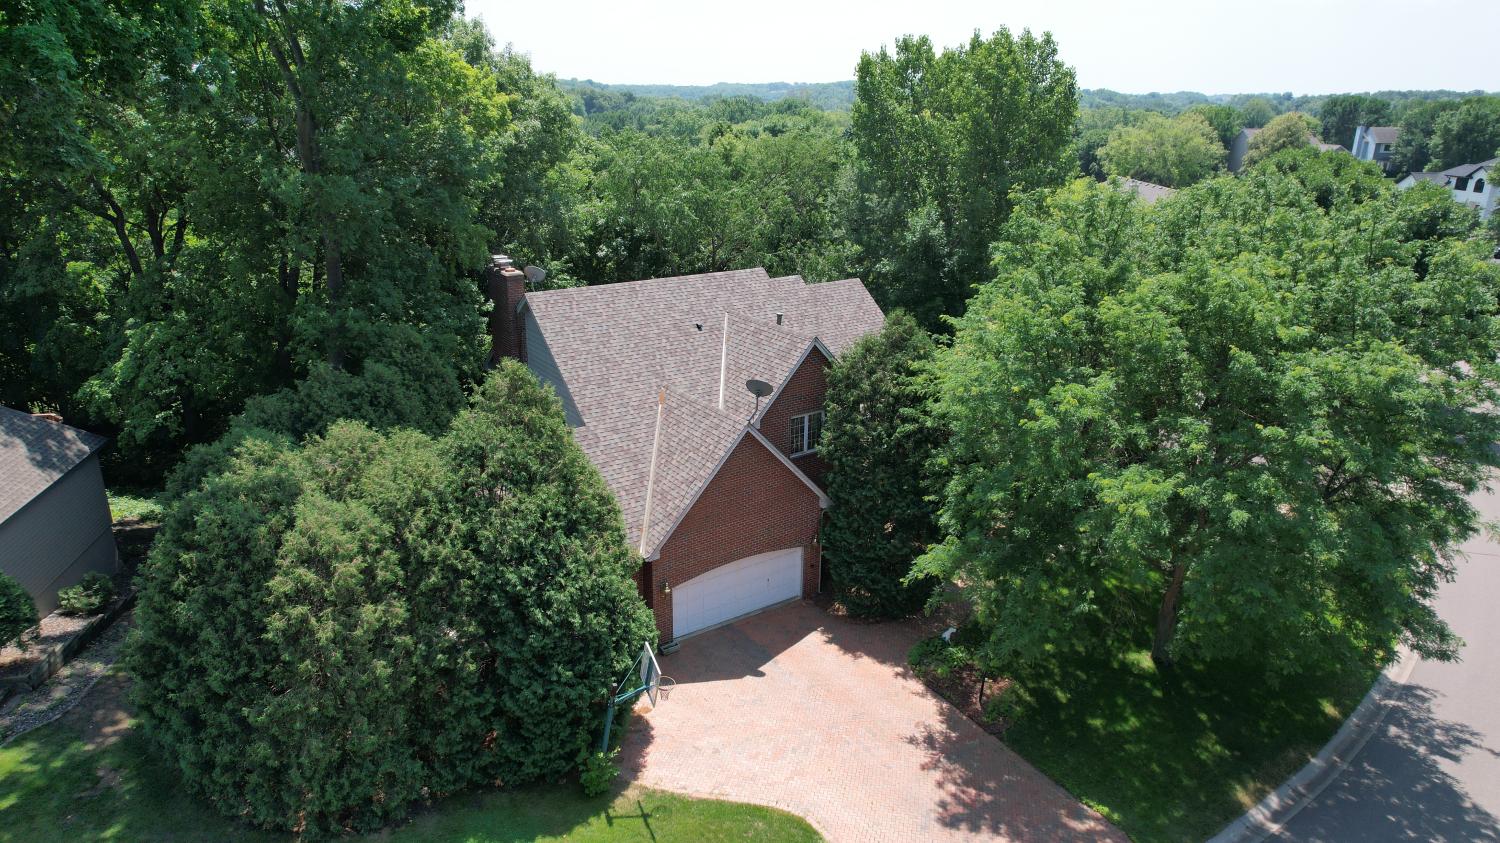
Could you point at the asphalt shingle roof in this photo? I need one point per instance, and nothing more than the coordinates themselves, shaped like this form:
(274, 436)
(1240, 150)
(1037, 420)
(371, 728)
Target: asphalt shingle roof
(34, 454)
(1383, 134)
(1146, 191)
(1465, 170)
(618, 346)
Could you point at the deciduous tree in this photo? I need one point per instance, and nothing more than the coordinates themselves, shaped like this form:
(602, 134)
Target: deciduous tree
(1341, 114)
(940, 142)
(1288, 131)
(1239, 425)
(1226, 120)
(1175, 152)
(1467, 134)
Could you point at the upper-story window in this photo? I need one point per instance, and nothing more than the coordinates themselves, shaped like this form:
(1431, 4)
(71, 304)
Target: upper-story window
(1461, 183)
(807, 429)
(1479, 185)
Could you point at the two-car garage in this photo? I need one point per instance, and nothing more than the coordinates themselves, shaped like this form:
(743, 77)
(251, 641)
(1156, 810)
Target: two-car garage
(738, 588)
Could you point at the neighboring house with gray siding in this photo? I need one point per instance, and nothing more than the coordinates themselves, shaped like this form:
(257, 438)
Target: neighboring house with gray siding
(54, 515)
(1241, 147)
(1376, 143)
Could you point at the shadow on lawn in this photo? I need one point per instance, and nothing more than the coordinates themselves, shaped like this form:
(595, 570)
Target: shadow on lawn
(62, 788)
(1174, 757)
(1422, 801)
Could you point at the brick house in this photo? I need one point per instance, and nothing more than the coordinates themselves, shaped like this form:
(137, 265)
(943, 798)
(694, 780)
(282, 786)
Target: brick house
(720, 490)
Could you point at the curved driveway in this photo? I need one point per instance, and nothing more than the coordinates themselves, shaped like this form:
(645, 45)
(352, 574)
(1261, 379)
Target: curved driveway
(1431, 771)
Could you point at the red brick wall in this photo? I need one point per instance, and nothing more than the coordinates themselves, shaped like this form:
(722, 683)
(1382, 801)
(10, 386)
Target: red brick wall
(803, 393)
(753, 505)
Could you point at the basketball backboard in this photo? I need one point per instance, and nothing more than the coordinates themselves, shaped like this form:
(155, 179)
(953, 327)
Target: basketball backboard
(650, 673)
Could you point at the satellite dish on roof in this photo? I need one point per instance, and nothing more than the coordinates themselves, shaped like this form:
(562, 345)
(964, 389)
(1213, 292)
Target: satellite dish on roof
(534, 274)
(760, 389)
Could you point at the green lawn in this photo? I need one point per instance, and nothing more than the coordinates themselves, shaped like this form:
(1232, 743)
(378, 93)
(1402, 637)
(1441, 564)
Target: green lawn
(55, 786)
(126, 505)
(1174, 759)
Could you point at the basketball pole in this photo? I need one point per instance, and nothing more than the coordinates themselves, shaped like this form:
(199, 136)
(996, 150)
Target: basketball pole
(619, 697)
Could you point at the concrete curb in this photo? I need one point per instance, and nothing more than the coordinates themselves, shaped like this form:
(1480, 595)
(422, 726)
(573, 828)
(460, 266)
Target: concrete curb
(1277, 809)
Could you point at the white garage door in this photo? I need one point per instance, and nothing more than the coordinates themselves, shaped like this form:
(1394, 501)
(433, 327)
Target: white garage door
(739, 588)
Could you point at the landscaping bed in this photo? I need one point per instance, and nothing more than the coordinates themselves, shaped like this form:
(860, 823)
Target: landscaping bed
(49, 645)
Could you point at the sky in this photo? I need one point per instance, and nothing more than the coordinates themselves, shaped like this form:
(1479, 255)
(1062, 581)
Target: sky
(1311, 46)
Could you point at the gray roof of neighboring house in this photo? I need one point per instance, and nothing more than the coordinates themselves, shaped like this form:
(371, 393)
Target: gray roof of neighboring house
(35, 453)
(1465, 170)
(617, 346)
(1383, 134)
(1146, 190)
(1423, 176)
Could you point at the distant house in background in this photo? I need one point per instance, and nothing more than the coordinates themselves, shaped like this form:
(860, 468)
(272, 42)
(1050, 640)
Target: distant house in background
(54, 515)
(1470, 184)
(1375, 143)
(1145, 190)
(1241, 146)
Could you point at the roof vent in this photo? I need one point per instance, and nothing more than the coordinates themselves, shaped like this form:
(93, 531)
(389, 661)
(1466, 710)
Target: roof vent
(778, 318)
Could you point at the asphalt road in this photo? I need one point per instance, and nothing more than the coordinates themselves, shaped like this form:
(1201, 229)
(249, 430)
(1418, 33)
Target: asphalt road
(1432, 770)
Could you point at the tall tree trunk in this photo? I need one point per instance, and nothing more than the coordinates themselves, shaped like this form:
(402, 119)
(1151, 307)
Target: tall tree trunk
(115, 216)
(290, 59)
(1166, 618)
(287, 273)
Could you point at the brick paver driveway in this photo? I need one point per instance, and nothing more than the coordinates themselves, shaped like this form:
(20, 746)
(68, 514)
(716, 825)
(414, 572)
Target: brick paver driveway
(821, 717)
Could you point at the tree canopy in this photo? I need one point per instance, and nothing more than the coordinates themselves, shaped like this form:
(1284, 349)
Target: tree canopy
(940, 141)
(1342, 114)
(1226, 120)
(1466, 134)
(1172, 424)
(1257, 112)
(1175, 152)
(1287, 131)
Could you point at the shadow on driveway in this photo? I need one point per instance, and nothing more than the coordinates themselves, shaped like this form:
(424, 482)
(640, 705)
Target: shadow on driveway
(820, 716)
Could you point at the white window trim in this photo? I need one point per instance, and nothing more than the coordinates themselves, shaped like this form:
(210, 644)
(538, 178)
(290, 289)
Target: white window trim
(807, 431)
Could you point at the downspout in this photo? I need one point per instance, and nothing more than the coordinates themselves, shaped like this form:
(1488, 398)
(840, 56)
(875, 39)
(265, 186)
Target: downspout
(661, 400)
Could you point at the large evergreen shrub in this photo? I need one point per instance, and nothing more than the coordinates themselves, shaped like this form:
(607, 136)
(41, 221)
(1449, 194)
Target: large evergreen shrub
(330, 632)
(877, 441)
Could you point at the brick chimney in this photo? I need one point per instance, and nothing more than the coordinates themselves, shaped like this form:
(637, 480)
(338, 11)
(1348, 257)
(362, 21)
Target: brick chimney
(507, 286)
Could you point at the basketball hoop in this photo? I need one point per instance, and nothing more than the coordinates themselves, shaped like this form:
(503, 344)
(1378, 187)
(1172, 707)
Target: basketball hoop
(665, 685)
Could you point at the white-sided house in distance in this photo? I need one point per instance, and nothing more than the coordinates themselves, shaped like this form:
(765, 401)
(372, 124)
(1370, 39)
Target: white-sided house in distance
(1469, 184)
(54, 515)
